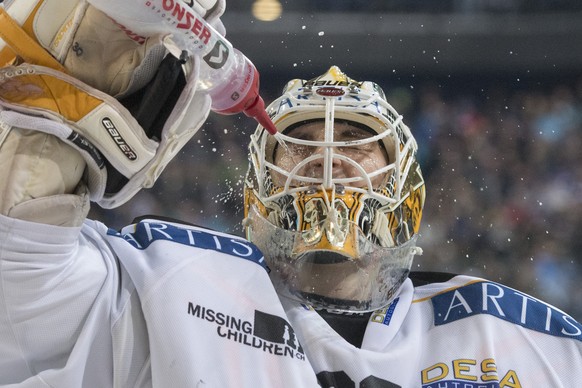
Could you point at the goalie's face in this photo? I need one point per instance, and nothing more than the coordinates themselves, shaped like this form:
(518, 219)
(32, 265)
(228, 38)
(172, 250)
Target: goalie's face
(348, 161)
(331, 261)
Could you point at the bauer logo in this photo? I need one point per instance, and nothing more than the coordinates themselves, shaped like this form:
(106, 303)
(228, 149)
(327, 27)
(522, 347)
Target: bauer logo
(330, 92)
(316, 83)
(118, 139)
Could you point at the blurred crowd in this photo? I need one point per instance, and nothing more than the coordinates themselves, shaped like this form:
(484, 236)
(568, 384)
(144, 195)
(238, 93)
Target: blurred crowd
(504, 180)
(503, 169)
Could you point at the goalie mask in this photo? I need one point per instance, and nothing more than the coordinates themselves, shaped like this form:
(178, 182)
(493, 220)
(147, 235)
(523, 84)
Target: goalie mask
(334, 200)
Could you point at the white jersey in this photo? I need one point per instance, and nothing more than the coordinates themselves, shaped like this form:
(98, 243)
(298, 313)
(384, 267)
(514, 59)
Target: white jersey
(168, 305)
(463, 333)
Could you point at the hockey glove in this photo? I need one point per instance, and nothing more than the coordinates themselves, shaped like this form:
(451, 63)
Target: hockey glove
(62, 73)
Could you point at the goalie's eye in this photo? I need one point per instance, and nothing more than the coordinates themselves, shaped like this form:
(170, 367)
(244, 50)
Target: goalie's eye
(341, 154)
(348, 138)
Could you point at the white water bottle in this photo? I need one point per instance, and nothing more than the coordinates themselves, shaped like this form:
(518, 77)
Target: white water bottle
(230, 78)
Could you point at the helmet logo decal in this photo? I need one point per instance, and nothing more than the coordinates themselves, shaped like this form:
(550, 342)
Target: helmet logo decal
(330, 92)
(367, 216)
(415, 204)
(319, 220)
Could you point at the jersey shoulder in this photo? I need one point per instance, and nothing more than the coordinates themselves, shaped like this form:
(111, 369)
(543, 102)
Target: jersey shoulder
(148, 230)
(458, 297)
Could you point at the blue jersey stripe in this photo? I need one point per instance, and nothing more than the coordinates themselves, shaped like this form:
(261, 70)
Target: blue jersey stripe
(504, 303)
(146, 232)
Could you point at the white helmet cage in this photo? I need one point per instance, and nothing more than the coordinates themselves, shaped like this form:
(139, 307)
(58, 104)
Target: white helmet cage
(356, 219)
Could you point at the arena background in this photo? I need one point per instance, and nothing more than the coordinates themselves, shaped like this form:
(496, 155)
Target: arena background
(492, 90)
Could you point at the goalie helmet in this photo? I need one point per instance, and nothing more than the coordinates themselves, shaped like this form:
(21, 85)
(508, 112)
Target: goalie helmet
(335, 241)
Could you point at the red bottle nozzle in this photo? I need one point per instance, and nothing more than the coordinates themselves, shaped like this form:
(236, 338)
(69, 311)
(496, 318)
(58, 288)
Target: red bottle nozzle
(251, 103)
(257, 111)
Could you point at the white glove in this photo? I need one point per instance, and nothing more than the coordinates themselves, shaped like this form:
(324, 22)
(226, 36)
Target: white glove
(38, 95)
